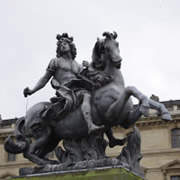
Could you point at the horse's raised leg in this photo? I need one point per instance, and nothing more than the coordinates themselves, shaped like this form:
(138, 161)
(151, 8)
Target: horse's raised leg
(161, 109)
(145, 104)
(119, 105)
(133, 116)
(144, 101)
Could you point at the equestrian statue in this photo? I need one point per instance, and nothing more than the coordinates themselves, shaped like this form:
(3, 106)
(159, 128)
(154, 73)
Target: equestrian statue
(90, 99)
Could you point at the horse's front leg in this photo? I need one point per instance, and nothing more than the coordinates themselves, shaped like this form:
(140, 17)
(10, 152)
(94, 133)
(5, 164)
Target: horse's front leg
(161, 109)
(133, 116)
(118, 106)
(146, 103)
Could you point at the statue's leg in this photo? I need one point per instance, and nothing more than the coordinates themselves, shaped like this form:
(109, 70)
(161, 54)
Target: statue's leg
(144, 101)
(132, 117)
(118, 106)
(161, 109)
(42, 139)
(86, 111)
(113, 141)
(47, 148)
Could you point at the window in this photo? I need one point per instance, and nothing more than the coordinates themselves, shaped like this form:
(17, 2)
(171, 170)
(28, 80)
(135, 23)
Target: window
(11, 157)
(175, 177)
(175, 137)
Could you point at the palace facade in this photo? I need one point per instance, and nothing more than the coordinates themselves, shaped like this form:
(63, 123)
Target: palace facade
(160, 146)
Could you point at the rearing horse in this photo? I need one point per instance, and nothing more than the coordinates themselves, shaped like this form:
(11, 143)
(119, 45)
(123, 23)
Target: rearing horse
(111, 106)
(113, 100)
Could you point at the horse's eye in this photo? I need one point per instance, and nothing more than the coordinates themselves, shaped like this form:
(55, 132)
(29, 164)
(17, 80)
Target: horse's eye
(117, 44)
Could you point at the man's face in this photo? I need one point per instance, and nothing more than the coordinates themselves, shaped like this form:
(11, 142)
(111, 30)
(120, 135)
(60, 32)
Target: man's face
(64, 47)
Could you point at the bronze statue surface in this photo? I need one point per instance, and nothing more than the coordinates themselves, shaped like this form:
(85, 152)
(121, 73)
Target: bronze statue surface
(89, 101)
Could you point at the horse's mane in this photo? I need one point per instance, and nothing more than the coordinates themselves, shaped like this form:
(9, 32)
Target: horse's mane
(97, 61)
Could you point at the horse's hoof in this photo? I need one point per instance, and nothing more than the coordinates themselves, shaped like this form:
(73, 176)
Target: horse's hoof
(166, 116)
(144, 109)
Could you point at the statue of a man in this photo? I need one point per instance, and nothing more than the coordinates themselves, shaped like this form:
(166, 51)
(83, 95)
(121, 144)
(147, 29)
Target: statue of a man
(64, 72)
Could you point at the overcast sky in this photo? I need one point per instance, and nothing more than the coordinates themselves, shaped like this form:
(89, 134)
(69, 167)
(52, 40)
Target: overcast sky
(148, 34)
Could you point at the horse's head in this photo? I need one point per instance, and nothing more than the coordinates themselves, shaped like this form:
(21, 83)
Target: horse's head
(106, 50)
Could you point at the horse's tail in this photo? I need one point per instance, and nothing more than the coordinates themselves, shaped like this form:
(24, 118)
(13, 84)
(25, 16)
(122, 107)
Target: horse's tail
(20, 142)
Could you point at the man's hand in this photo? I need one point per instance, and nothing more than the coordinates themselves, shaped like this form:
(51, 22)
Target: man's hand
(85, 64)
(27, 92)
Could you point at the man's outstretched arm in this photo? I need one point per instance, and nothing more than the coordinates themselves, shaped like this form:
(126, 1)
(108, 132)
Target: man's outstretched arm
(40, 84)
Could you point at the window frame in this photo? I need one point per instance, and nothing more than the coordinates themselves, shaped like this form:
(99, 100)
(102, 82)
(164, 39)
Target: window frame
(171, 177)
(175, 138)
(11, 157)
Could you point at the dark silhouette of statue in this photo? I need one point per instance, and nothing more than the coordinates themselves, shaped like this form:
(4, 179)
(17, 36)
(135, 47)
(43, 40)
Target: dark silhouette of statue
(70, 89)
(89, 99)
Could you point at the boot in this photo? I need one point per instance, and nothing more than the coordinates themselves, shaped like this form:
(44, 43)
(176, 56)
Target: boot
(91, 126)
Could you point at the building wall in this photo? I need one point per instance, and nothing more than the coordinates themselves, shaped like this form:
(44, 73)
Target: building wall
(160, 160)
(156, 145)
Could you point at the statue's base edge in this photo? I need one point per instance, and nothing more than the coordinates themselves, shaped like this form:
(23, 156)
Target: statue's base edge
(106, 173)
(107, 168)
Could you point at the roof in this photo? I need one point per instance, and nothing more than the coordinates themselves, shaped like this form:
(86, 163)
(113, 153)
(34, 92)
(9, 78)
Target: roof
(8, 121)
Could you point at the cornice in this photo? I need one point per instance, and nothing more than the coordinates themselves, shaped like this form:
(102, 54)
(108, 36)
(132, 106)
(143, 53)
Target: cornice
(154, 120)
(15, 163)
(161, 152)
(153, 153)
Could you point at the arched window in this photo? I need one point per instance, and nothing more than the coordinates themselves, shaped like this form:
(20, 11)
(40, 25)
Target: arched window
(175, 138)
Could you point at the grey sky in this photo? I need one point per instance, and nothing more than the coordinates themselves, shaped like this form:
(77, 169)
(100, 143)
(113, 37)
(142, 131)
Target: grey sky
(148, 33)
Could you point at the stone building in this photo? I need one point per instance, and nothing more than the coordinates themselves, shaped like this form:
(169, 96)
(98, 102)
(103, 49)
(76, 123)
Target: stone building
(160, 146)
